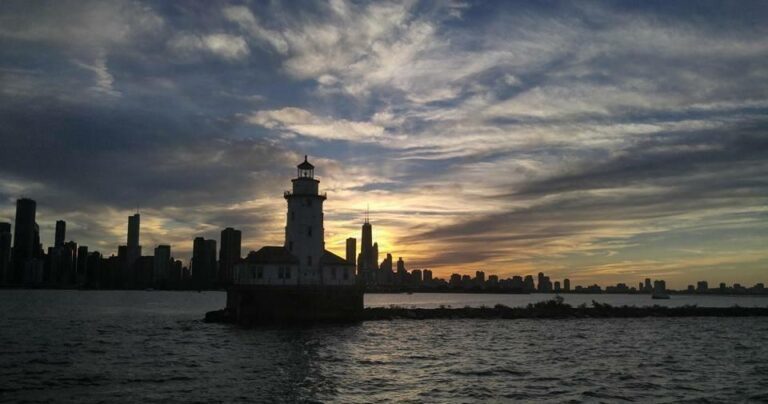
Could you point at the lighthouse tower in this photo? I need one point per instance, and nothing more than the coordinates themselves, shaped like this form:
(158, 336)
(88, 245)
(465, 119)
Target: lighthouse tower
(304, 233)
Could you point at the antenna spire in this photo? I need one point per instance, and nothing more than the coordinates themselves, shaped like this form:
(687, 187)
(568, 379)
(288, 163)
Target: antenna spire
(367, 212)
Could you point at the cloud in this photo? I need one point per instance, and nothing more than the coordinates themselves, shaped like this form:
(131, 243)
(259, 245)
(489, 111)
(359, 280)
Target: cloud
(225, 46)
(302, 122)
(600, 140)
(242, 16)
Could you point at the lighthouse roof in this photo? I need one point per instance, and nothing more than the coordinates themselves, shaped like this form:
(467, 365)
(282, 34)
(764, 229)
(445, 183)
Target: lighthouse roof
(330, 258)
(305, 165)
(271, 255)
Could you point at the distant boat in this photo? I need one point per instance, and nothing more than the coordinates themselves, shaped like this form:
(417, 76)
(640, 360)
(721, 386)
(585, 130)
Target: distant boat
(659, 295)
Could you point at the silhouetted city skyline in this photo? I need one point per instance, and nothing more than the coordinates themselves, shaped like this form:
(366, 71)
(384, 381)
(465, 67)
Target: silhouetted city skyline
(24, 262)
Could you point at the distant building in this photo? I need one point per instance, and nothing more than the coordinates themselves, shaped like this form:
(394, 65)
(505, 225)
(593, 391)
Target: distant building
(427, 274)
(702, 287)
(162, 277)
(82, 265)
(144, 272)
(93, 271)
(61, 233)
(367, 261)
(203, 263)
(416, 277)
(455, 281)
(493, 281)
(528, 283)
(517, 283)
(24, 238)
(5, 252)
(557, 286)
(351, 250)
(480, 278)
(133, 251)
(566, 285)
(229, 254)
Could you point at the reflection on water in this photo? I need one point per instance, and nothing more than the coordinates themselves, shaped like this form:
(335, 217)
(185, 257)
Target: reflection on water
(151, 346)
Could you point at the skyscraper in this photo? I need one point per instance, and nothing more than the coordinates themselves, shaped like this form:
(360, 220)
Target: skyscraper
(204, 263)
(375, 256)
(24, 245)
(162, 266)
(566, 285)
(133, 251)
(367, 263)
(351, 250)
(61, 233)
(5, 252)
(82, 265)
(229, 254)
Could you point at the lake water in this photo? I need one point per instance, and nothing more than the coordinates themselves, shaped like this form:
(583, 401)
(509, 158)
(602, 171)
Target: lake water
(70, 346)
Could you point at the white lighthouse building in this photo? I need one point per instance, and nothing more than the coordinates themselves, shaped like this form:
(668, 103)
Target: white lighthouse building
(303, 259)
(304, 233)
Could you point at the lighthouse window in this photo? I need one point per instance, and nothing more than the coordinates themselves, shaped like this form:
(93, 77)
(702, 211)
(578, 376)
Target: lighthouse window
(259, 272)
(293, 215)
(309, 231)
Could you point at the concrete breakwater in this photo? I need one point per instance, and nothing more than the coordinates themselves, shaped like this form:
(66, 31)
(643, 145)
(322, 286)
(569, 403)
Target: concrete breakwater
(552, 309)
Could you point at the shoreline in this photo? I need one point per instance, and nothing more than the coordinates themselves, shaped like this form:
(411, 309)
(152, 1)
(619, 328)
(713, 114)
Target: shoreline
(551, 309)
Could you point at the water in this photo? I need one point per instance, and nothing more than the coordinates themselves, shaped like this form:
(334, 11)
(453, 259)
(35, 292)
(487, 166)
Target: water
(458, 300)
(69, 346)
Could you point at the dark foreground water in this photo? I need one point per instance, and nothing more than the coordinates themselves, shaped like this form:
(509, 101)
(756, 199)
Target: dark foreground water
(69, 346)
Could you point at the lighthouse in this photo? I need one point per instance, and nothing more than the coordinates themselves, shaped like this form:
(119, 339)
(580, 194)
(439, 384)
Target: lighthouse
(299, 280)
(304, 233)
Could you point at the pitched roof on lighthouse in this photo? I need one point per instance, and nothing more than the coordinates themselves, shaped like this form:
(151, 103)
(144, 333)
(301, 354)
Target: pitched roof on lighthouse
(305, 165)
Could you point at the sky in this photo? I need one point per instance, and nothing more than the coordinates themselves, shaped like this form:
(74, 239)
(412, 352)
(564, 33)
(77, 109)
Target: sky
(601, 141)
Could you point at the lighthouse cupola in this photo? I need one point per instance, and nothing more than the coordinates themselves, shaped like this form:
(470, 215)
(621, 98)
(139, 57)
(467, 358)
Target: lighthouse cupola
(306, 170)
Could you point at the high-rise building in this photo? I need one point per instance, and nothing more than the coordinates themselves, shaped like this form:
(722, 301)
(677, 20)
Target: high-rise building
(702, 287)
(133, 251)
(367, 263)
(82, 265)
(528, 283)
(24, 245)
(557, 286)
(61, 233)
(162, 266)
(93, 275)
(5, 252)
(416, 277)
(566, 285)
(204, 263)
(648, 287)
(427, 274)
(229, 254)
(480, 278)
(375, 256)
(351, 250)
